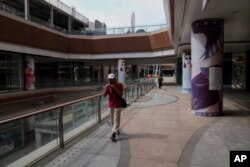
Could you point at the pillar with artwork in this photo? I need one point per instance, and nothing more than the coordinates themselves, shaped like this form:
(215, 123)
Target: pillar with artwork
(29, 73)
(121, 71)
(186, 70)
(207, 57)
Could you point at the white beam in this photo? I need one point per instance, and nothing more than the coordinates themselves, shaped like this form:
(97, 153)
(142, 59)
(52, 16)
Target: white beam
(26, 9)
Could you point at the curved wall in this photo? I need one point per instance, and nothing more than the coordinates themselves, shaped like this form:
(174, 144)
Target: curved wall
(21, 32)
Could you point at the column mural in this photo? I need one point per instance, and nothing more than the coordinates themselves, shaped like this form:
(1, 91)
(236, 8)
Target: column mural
(239, 71)
(186, 71)
(29, 73)
(121, 70)
(207, 57)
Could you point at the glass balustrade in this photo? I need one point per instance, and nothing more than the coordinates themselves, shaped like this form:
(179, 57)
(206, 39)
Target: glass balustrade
(10, 10)
(104, 107)
(25, 139)
(79, 117)
(33, 136)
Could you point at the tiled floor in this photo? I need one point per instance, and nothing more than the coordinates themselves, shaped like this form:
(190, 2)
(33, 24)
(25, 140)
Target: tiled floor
(164, 128)
(159, 130)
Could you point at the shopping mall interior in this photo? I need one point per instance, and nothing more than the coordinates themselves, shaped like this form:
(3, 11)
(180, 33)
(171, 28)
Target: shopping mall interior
(54, 64)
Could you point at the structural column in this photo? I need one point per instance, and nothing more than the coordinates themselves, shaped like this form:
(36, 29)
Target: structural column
(135, 72)
(207, 57)
(186, 70)
(69, 24)
(121, 71)
(106, 71)
(26, 9)
(51, 16)
(29, 73)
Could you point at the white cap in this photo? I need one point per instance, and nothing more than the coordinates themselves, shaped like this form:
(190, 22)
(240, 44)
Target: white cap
(111, 76)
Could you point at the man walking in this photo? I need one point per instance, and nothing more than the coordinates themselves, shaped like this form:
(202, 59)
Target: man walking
(114, 90)
(160, 80)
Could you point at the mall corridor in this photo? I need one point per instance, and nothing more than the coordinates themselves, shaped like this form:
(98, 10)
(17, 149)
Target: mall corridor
(160, 130)
(54, 68)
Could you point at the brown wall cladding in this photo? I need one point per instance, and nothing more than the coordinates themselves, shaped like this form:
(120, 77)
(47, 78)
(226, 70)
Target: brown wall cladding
(122, 44)
(110, 45)
(78, 45)
(160, 41)
(22, 33)
(18, 32)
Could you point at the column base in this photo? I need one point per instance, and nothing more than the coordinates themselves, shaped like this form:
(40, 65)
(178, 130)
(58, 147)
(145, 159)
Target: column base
(207, 114)
(186, 90)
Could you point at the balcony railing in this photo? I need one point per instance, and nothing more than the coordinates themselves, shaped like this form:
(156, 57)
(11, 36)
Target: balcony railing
(11, 10)
(28, 137)
(121, 30)
(98, 31)
(68, 10)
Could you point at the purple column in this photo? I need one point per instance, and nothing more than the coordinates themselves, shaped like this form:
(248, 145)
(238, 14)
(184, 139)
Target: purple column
(207, 56)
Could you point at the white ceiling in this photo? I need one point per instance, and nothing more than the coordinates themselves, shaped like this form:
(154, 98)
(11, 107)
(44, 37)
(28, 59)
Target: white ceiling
(236, 15)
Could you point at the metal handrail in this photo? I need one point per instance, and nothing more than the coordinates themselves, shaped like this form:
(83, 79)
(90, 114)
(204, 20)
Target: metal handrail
(11, 10)
(62, 6)
(121, 30)
(142, 26)
(49, 108)
(130, 97)
(57, 106)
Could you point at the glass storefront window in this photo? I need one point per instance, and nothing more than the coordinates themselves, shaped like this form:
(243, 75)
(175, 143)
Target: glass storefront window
(97, 74)
(87, 74)
(54, 73)
(78, 73)
(10, 72)
(239, 70)
(65, 73)
(45, 75)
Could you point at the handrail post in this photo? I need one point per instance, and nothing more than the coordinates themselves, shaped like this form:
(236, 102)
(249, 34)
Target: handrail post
(133, 92)
(60, 122)
(125, 93)
(99, 110)
(129, 93)
(137, 91)
(141, 90)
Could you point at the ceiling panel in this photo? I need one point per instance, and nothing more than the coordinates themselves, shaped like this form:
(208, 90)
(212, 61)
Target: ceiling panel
(235, 13)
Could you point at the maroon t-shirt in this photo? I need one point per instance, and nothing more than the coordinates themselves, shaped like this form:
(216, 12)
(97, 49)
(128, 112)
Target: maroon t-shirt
(114, 100)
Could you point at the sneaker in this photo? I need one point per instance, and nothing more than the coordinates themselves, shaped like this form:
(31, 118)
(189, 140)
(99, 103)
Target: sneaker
(112, 137)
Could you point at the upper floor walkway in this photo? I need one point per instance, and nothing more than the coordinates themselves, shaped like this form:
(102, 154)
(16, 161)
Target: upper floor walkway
(159, 130)
(97, 31)
(23, 36)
